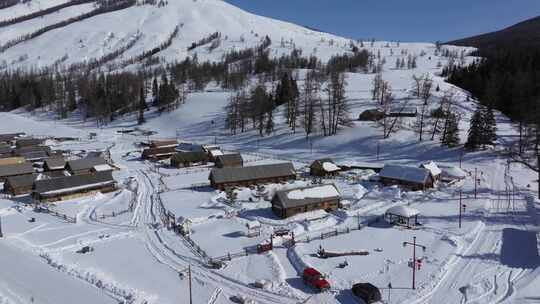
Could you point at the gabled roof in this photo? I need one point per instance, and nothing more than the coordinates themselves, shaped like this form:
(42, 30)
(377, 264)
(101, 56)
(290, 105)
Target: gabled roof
(306, 196)
(235, 158)
(18, 169)
(73, 182)
(163, 143)
(55, 163)
(405, 173)
(27, 142)
(190, 157)
(158, 151)
(26, 180)
(85, 163)
(403, 211)
(227, 175)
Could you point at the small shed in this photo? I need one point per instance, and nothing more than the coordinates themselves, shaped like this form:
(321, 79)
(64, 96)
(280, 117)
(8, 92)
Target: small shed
(188, 159)
(229, 161)
(291, 202)
(84, 165)
(15, 170)
(253, 228)
(19, 185)
(433, 169)
(367, 292)
(371, 115)
(411, 177)
(222, 178)
(402, 215)
(102, 168)
(324, 167)
(54, 164)
(406, 111)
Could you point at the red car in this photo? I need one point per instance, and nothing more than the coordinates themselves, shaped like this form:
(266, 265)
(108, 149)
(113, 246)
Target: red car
(314, 278)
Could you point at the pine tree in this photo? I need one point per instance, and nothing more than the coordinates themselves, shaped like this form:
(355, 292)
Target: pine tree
(142, 106)
(474, 139)
(489, 132)
(450, 137)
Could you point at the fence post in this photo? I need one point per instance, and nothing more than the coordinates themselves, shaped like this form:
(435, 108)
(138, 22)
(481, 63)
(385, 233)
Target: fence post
(229, 255)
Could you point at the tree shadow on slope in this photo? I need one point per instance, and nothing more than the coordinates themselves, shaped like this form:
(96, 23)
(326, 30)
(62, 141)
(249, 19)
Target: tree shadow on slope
(519, 249)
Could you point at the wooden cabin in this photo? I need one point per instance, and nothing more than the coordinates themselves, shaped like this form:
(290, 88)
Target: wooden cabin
(163, 143)
(56, 189)
(402, 216)
(410, 177)
(19, 185)
(158, 153)
(229, 161)
(188, 159)
(291, 202)
(221, 178)
(15, 170)
(54, 164)
(324, 167)
(84, 165)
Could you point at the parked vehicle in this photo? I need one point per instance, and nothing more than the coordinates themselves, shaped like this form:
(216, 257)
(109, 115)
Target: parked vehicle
(315, 279)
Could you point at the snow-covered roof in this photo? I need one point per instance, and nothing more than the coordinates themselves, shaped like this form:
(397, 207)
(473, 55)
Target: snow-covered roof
(216, 152)
(453, 172)
(405, 173)
(432, 167)
(102, 168)
(243, 174)
(330, 167)
(253, 224)
(306, 196)
(403, 211)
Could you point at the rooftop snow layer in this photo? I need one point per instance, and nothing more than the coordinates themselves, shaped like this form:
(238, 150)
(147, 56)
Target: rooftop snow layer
(405, 173)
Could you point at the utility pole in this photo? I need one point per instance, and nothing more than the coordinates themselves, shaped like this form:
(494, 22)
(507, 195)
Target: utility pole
(461, 208)
(190, 294)
(1, 234)
(475, 180)
(414, 262)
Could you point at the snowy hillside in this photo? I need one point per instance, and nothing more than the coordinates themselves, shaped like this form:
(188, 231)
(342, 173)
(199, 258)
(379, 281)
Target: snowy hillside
(151, 25)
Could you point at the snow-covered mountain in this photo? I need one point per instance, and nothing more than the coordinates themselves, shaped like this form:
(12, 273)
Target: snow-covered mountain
(139, 28)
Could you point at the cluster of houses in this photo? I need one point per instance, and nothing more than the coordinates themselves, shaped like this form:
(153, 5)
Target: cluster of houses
(229, 172)
(28, 166)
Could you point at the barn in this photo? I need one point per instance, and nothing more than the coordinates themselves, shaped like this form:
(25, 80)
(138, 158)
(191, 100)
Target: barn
(229, 161)
(410, 177)
(15, 170)
(324, 167)
(84, 165)
(188, 159)
(291, 202)
(18, 185)
(221, 178)
(56, 189)
(158, 153)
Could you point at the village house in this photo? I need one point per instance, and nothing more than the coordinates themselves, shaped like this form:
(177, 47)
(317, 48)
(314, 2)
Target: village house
(291, 202)
(84, 165)
(15, 170)
(376, 167)
(324, 167)
(410, 177)
(67, 187)
(19, 185)
(54, 164)
(28, 142)
(158, 153)
(9, 138)
(221, 178)
(229, 161)
(188, 159)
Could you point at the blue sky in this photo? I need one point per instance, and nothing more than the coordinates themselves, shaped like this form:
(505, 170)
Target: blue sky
(413, 20)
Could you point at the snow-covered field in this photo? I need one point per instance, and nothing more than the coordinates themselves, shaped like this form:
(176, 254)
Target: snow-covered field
(492, 258)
